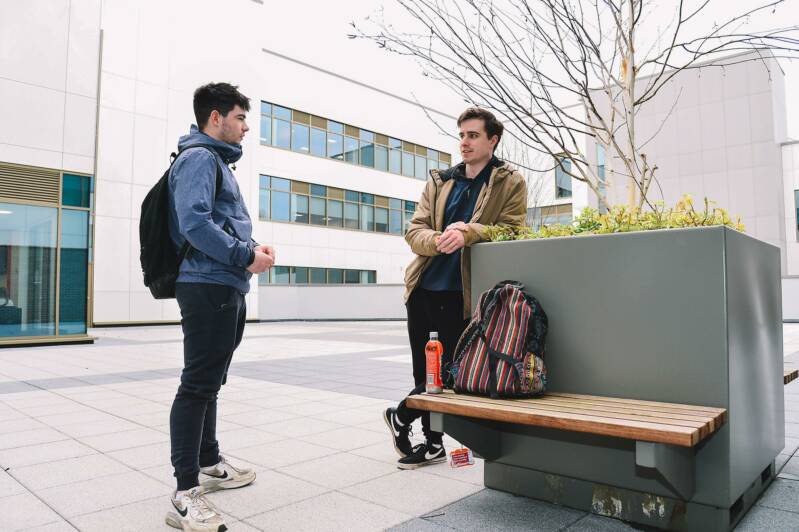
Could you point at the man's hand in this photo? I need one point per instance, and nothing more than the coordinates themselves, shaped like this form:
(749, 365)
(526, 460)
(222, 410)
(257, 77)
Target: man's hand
(460, 226)
(269, 250)
(450, 241)
(261, 263)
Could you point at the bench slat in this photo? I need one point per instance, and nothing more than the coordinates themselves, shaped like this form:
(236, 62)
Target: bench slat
(789, 375)
(584, 413)
(719, 414)
(634, 409)
(703, 425)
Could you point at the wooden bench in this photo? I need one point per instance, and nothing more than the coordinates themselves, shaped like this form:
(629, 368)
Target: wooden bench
(646, 421)
(513, 433)
(790, 374)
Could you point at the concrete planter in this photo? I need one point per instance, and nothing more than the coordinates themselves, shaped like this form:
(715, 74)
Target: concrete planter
(684, 316)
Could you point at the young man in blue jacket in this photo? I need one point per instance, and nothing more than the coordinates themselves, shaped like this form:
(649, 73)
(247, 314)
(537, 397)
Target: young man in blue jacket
(211, 285)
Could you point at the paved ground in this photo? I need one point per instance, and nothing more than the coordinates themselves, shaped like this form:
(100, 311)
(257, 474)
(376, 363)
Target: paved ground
(84, 439)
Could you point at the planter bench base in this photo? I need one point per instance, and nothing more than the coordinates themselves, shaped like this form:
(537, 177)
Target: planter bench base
(637, 482)
(623, 504)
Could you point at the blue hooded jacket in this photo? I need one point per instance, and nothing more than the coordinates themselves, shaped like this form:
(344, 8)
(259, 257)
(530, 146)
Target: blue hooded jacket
(217, 225)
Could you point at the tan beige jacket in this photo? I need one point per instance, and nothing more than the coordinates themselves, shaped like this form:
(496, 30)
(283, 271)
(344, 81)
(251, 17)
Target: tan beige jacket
(502, 202)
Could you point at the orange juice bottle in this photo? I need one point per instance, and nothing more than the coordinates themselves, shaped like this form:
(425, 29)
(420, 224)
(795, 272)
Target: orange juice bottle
(433, 351)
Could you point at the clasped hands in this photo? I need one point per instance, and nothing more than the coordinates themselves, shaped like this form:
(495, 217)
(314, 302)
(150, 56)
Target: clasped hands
(452, 239)
(264, 259)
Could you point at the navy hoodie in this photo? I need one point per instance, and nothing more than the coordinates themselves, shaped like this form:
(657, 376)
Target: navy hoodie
(217, 225)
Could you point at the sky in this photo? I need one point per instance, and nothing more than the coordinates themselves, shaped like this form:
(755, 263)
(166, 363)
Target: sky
(329, 24)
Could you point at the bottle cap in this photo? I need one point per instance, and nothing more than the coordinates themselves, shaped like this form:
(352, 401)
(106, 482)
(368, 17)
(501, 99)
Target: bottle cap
(433, 335)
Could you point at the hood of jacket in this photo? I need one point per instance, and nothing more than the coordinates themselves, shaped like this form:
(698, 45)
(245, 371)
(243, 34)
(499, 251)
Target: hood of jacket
(459, 170)
(230, 153)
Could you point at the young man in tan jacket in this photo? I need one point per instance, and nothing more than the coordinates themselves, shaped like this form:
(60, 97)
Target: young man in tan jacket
(456, 206)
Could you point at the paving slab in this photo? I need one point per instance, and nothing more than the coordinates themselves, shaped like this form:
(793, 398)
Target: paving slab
(42, 453)
(339, 470)
(25, 511)
(9, 485)
(761, 519)
(331, 511)
(102, 493)
(271, 490)
(412, 492)
(596, 523)
(485, 509)
(68, 471)
(281, 453)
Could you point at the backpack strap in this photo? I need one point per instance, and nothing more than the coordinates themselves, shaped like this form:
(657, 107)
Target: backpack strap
(174, 156)
(186, 248)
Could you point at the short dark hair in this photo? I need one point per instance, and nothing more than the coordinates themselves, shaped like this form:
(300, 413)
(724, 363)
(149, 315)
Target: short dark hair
(491, 124)
(222, 97)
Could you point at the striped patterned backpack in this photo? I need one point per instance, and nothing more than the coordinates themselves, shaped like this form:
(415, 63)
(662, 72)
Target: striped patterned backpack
(501, 352)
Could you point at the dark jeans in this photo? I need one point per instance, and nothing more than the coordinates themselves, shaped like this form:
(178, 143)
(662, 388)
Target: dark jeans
(213, 323)
(430, 311)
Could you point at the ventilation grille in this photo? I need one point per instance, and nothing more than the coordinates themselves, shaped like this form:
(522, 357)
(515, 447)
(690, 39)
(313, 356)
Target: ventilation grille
(28, 183)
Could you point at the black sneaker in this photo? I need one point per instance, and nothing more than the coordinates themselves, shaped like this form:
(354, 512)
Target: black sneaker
(422, 455)
(400, 434)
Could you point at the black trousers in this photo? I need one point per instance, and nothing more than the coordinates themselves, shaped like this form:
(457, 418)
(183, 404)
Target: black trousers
(430, 311)
(213, 318)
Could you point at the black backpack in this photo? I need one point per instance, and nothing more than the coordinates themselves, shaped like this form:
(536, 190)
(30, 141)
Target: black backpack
(159, 260)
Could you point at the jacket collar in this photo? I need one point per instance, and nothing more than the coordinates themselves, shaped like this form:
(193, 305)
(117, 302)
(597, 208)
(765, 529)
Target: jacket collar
(459, 170)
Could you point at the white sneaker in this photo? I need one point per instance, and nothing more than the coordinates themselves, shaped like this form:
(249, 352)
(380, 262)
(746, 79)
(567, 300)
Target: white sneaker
(224, 476)
(194, 513)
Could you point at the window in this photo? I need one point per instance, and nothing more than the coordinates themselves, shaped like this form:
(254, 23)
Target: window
(421, 167)
(408, 164)
(335, 146)
(381, 220)
(285, 200)
(318, 216)
(299, 138)
(796, 204)
(299, 275)
(367, 149)
(303, 275)
(74, 268)
(299, 209)
(280, 275)
(600, 171)
(281, 133)
(266, 123)
(367, 218)
(44, 260)
(395, 222)
(318, 142)
(351, 150)
(318, 275)
(335, 213)
(563, 181)
(28, 237)
(302, 132)
(75, 190)
(351, 218)
(280, 206)
(335, 276)
(550, 215)
(381, 158)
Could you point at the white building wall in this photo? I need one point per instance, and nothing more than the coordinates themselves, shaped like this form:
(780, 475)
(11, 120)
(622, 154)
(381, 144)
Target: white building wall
(790, 174)
(48, 82)
(719, 139)
(153, 59)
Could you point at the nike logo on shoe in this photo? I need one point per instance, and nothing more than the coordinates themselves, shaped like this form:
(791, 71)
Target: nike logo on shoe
(181, 512)
(429, 456)
(217, 476)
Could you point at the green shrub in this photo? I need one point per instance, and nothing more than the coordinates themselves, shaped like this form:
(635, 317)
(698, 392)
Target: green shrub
(624, 219)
